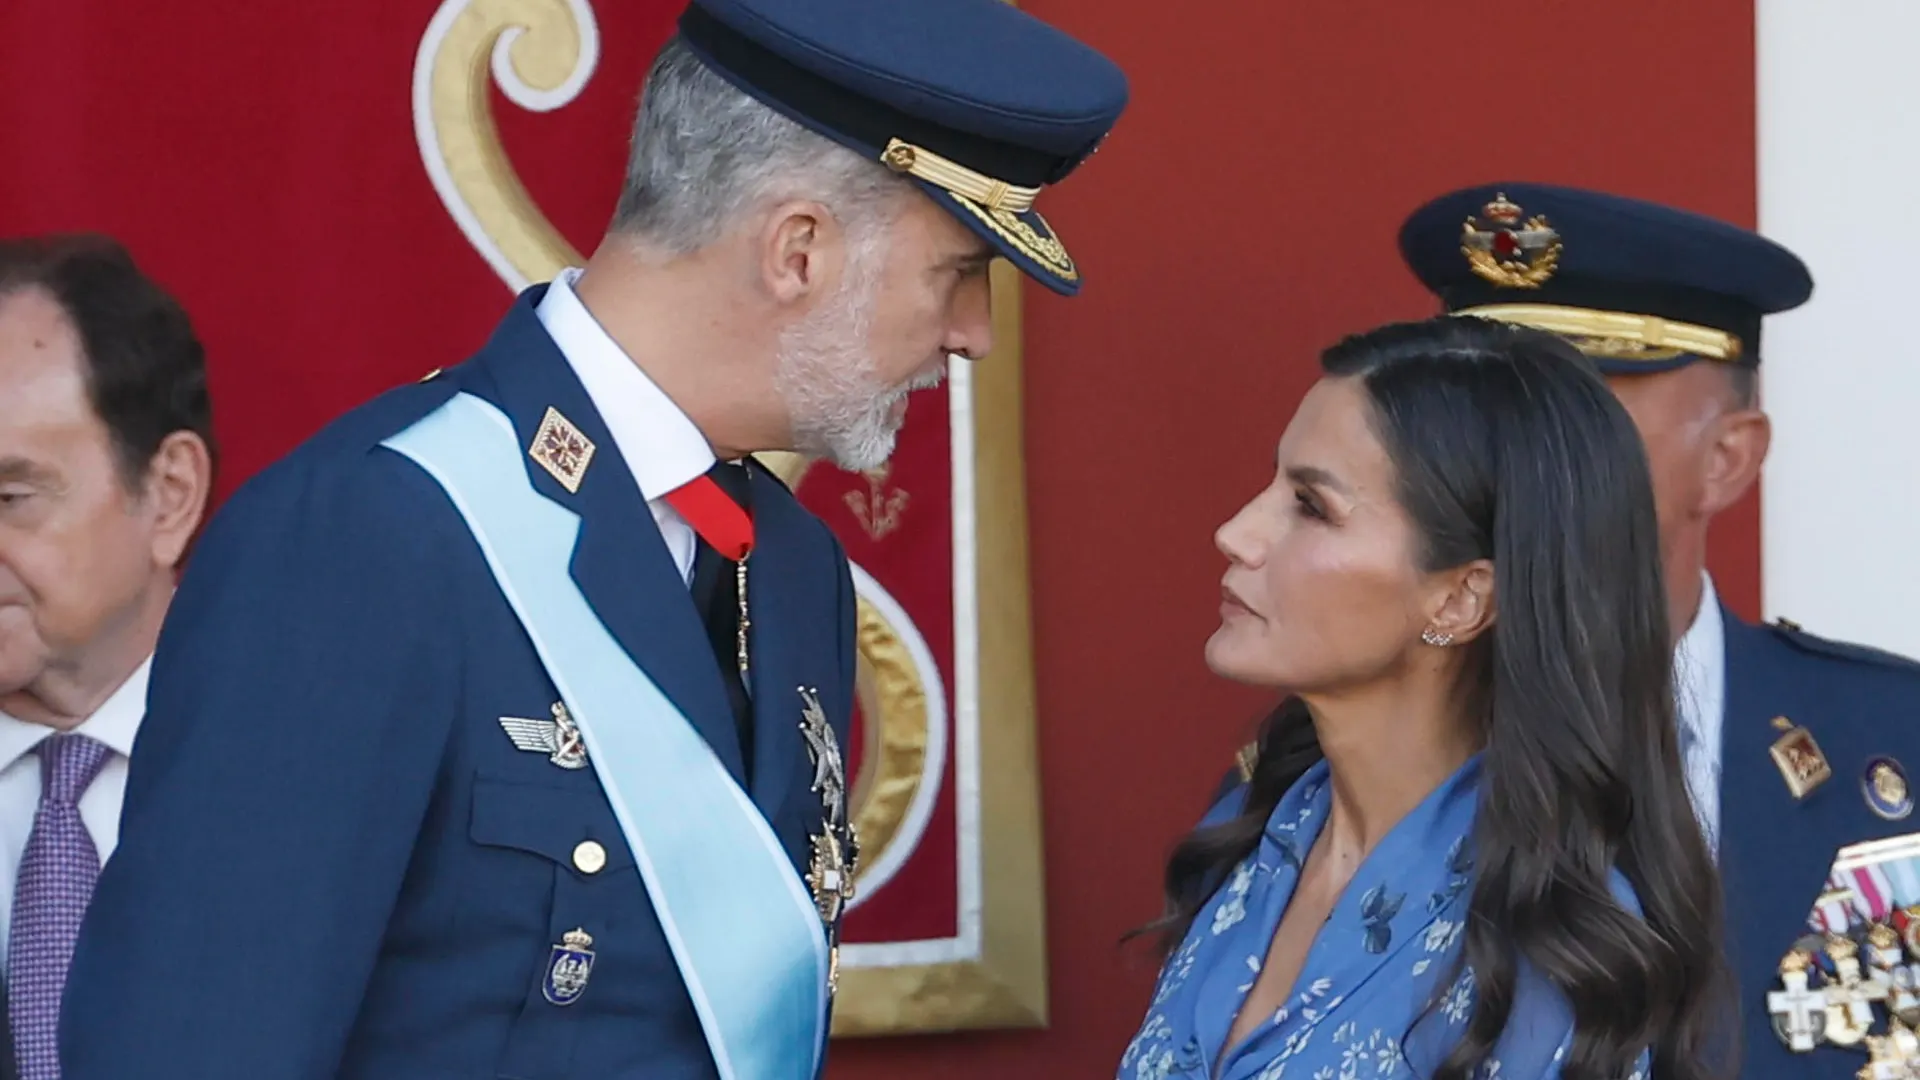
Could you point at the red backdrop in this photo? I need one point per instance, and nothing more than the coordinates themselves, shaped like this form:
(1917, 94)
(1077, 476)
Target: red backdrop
(1242, 217)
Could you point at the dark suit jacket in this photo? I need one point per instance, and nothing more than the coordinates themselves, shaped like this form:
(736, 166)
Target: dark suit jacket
(335, 862)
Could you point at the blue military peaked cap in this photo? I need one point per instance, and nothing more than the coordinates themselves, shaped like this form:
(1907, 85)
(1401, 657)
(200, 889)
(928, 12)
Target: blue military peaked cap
(978, 102)
(1638, 286)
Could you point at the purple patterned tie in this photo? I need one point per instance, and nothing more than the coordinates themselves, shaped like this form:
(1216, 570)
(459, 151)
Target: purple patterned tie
(50, 895)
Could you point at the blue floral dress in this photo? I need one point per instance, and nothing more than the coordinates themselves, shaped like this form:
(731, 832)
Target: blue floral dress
(1369, 1003)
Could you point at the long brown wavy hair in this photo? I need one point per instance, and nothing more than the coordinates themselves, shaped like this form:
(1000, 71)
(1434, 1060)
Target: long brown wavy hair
(1509, 447)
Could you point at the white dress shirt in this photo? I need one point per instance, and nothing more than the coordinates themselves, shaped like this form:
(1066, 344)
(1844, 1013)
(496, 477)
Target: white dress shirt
(114, 723)
(662, 448)
(1700, 691)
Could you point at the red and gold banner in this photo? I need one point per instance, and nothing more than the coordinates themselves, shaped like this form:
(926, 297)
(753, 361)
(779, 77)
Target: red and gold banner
(347, 198)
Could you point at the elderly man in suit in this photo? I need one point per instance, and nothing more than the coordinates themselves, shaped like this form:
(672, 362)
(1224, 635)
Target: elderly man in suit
(106, 461)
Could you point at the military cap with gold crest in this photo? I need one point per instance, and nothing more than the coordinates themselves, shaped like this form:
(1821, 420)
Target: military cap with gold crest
(1640, 287)
(979, 103)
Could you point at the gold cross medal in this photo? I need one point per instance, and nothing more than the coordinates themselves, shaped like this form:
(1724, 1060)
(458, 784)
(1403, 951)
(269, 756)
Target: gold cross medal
(558, 738)
(568, 968)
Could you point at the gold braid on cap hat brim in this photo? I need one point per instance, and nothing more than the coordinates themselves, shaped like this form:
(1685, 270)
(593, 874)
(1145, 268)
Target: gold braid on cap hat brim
(1617, 335)
(904, 157)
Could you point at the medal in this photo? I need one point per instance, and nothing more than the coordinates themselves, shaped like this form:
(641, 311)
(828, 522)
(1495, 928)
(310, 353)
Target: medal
(568, 968)
(1799, 759)
(1885, 787)
(829, 773)
(836, 852)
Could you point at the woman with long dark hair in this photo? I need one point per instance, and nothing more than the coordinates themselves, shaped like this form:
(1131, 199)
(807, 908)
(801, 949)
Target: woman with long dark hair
(1466, 849)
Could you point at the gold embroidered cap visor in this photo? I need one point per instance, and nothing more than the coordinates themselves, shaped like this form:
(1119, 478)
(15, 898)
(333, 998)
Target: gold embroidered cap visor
(1023, 237)
(978, 103)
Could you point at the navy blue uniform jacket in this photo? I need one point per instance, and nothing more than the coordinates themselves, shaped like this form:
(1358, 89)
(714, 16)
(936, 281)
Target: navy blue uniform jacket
(335, 863)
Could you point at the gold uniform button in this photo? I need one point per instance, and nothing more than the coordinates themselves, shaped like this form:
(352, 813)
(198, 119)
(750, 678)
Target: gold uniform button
(589, 857)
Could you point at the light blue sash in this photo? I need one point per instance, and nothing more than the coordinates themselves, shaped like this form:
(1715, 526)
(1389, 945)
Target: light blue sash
(744, 931)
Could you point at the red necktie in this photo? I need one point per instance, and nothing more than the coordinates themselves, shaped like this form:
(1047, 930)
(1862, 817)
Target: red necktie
(720, 520)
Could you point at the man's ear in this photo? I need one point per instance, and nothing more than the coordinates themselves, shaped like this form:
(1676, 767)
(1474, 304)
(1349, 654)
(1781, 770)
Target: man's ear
(1737, 449)
(178, 483)
(800, 249)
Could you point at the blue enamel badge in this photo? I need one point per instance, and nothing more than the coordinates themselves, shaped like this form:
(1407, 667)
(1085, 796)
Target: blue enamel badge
(569, 967)
(1885, 785)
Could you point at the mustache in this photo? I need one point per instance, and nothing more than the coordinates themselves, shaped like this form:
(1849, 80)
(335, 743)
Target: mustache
(929, 379)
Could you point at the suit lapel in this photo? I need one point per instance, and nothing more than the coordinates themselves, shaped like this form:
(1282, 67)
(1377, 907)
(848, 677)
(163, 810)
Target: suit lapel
(1773, 857)
(620, 562)
(778, 671)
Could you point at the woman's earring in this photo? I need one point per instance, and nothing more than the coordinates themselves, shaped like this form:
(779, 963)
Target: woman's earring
(1437, 640)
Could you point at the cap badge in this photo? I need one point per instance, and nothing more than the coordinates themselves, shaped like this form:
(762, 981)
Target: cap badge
(1507, 252)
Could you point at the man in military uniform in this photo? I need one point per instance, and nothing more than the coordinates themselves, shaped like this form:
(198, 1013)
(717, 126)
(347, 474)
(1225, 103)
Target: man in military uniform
(495, 730)
(1795, 747)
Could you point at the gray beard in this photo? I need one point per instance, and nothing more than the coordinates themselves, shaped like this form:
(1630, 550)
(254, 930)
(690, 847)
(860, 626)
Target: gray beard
(838, 406)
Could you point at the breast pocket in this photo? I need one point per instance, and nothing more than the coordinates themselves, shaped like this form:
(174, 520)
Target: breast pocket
(560, 938)
(568, 825)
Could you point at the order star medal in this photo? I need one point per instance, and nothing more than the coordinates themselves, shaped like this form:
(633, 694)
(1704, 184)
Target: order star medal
(828, 877)
(829, 773)
(830, 874)
(831, 879)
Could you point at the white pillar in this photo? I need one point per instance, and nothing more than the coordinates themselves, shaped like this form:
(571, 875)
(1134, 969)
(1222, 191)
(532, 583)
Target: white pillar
(1839, 175)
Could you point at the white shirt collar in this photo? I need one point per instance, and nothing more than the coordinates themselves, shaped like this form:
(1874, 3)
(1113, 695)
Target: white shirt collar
(1702, 649)
(114, 723)
(661, 446)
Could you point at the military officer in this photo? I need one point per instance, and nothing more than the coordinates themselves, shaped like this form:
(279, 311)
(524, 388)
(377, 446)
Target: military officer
(495, 730)
(1796, 747)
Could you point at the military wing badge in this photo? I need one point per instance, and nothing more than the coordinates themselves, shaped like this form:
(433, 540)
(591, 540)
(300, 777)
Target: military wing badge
(558, 738)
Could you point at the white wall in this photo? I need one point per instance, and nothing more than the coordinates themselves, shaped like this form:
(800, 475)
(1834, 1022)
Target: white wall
(1839, 174)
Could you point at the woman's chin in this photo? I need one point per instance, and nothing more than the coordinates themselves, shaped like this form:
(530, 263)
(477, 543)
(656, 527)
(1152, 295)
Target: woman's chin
(1240, 657)
(1226, 654)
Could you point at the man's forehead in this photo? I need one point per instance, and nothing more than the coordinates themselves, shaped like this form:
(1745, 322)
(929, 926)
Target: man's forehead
(34, 311)
(43, 390)
(38, 342)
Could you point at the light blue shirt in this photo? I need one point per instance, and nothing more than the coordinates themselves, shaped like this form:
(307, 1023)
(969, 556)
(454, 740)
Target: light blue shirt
(1379, 985)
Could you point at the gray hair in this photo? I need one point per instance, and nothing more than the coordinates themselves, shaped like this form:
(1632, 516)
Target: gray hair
(705, 154)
